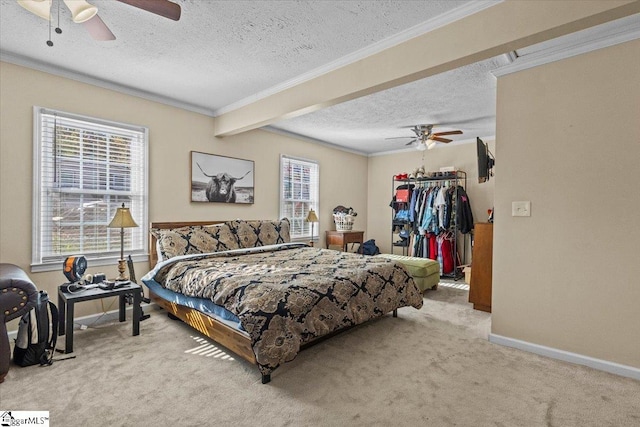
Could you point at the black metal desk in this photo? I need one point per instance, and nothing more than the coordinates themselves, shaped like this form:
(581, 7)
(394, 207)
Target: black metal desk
(67, 300)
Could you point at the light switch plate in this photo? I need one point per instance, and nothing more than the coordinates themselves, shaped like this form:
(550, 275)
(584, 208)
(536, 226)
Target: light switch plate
(521, 208)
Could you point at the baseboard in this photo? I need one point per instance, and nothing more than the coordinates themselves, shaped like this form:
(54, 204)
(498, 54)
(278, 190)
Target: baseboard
(554, 353)
(98, 318)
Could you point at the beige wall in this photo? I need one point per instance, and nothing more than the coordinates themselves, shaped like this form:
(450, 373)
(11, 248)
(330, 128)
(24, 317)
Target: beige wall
(382, 168)
(568, 140)
(173, 133)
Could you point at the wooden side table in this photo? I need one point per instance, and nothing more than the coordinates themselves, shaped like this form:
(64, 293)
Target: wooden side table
(343, 238)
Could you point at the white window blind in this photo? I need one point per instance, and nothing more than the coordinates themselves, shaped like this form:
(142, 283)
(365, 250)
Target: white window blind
(84, 169)
(299, 192)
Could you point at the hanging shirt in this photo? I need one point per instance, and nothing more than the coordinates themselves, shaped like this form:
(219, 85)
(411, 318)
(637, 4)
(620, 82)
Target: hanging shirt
(439, 206)
(427, 219)
(412, 205)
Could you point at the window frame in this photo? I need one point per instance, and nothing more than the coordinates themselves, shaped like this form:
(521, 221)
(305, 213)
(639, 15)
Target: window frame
(314, 201)
(109, 257)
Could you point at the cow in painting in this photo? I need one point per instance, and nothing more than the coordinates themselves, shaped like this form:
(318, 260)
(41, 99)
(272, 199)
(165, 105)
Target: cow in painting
(221, 187)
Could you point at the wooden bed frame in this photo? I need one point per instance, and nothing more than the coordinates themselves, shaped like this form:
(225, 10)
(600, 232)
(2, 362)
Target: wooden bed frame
(221, 333)
(212, 328)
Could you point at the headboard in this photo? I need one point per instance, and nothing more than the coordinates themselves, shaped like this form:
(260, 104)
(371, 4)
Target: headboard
(153, 253)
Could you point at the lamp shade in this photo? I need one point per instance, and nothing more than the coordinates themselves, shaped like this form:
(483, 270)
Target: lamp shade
(81, 11)
(311, 217)
(122, 219)
(431, 144)
(42, 8)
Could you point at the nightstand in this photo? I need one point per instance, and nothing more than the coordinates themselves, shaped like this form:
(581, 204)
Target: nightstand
(66, 301)
(343, 238)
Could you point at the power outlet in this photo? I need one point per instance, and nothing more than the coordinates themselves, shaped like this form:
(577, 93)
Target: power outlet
(521, 208)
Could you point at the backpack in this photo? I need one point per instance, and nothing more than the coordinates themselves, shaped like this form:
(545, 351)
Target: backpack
(369, 248)
(37, 333)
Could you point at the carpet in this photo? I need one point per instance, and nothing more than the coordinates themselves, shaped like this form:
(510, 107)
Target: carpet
(428, 367)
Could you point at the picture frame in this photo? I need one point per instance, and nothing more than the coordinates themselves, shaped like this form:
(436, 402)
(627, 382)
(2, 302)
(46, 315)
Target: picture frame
(221, 179)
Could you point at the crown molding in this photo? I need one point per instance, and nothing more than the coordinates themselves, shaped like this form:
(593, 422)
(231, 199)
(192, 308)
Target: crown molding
(595, 38)
(411, 32)
(105, 84)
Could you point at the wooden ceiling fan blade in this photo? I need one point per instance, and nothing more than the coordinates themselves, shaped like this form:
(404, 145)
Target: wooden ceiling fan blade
(445, 140)
(164, 8)
(412, 141)
(98, 30)
(452, 132)
(401, 137)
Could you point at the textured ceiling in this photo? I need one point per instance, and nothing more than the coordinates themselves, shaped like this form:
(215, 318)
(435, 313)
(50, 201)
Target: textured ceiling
(461, 99)
(223, 54)
(219, 52)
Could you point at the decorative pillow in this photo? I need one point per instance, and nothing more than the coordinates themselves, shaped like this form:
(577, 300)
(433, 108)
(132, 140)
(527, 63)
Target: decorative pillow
(251, 234)
(224, 235)
(195, 239)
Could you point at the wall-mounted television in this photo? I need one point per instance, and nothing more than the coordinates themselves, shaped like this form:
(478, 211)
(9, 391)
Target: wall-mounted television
(486, 161)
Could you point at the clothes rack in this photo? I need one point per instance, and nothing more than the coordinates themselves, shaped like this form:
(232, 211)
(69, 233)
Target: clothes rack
(422, 226)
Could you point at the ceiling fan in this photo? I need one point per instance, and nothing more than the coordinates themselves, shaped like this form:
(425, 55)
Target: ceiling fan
(425, 138)
(86, 14)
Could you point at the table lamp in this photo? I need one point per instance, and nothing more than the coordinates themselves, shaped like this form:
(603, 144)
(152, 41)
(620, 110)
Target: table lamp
(122, 219)
(312, 218)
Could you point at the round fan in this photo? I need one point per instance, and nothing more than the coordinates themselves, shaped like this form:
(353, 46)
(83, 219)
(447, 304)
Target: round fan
(74, 267)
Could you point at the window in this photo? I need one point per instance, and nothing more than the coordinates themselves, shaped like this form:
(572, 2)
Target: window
(84, 169)
(299, 192)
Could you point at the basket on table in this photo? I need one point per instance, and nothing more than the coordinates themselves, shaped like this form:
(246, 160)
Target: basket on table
(343, 223)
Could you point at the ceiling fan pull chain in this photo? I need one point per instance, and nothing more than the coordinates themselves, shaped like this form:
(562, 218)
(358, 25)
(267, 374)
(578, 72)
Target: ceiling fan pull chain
(58, 29)
(49, 42)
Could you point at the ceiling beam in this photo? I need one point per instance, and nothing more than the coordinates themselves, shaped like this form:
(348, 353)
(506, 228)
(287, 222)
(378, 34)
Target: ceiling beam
(505, 27)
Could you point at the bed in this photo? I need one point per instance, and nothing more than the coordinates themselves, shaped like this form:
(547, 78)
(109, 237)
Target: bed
(246, 286)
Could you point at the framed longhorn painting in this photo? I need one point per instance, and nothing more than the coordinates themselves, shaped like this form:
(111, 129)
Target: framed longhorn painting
(221, 179)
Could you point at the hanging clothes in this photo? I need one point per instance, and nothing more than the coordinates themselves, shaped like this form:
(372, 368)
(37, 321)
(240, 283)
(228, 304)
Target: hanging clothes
(448, 207)
(445, 252)
(430, 221)
(433, 247)
(464, 216)
(412, 204)
(434, 211)
(439, 206)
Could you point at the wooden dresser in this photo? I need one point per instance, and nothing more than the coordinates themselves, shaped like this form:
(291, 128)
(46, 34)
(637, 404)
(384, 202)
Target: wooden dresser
(481, 267)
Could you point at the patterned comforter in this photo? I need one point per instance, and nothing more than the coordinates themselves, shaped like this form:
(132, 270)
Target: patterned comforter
(286, 296)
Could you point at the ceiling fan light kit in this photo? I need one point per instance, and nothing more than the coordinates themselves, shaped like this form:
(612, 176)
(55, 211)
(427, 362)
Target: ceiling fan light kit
(81, 11)
(425, 139)
(41, 8)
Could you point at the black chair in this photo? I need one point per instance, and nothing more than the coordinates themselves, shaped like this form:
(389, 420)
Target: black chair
(17, 296)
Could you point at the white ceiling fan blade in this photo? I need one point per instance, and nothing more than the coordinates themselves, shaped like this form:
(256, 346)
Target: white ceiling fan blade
(98, 30)
(41, 8)
(81, 11)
